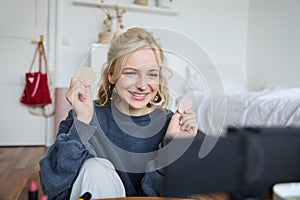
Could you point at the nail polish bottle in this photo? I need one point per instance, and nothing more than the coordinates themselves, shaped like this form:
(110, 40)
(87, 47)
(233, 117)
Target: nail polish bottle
(33, 190)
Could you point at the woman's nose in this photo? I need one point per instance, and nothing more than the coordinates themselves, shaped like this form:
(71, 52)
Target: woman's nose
(142, 82)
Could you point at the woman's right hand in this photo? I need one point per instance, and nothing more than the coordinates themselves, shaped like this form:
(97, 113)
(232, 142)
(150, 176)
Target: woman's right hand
(80, 97)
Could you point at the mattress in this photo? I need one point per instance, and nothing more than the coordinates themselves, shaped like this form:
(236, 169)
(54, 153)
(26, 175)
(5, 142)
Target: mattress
(270, 107)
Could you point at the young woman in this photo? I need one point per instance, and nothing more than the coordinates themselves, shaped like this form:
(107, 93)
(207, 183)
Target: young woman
(108, 146)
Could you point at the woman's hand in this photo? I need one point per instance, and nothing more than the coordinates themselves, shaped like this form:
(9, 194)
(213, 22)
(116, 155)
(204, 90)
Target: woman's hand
(182, 125)
(80, 97)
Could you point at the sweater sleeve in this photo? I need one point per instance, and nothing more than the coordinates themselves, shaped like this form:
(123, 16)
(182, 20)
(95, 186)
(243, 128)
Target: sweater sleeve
(61, 165)
(153, 180)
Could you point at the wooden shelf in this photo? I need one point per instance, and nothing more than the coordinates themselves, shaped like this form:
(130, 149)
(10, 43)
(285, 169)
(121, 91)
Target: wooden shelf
(128, 7)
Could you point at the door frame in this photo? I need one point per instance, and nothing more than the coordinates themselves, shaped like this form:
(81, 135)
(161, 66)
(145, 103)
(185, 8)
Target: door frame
(54, 7)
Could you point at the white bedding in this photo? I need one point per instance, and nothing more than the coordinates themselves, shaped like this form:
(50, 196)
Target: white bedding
(270, 107)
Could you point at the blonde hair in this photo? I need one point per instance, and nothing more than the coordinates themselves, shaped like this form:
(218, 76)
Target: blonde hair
(121, 47)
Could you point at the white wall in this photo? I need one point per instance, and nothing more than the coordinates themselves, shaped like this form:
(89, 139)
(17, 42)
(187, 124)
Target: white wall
(273, 43)
(219, 26)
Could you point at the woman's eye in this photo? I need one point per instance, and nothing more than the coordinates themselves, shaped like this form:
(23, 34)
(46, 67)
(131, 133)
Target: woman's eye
(130, 73)
(153, 75)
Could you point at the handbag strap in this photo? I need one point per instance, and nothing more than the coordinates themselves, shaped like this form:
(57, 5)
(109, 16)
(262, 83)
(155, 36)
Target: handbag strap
(32, 62)
(43, 54)
(40, 48)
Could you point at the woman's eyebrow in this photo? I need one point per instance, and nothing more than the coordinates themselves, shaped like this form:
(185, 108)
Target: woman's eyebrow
(135, 69)
(130, 68)
(157, 70)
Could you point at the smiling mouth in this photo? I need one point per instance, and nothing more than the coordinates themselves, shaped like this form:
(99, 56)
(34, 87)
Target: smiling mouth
(139, 96)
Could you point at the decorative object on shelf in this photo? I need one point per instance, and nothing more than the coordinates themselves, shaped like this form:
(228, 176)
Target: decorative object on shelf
(129, 7)
(163, 3)
(141, 2)
(112, 23)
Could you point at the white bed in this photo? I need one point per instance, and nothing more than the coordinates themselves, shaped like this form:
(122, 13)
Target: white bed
(270, 107)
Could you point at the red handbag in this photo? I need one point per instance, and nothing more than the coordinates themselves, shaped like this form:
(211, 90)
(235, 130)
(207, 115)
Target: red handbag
(36, 91)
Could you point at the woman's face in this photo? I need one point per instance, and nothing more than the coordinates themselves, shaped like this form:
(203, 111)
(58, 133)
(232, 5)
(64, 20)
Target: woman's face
(138, 83)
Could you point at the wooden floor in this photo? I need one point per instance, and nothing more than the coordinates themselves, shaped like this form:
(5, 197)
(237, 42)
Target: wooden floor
(18, 166)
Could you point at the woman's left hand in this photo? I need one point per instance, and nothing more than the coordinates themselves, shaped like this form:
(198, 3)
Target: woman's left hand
(182, 125)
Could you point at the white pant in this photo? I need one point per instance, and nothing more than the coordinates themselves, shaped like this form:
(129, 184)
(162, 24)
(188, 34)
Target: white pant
(98, 176)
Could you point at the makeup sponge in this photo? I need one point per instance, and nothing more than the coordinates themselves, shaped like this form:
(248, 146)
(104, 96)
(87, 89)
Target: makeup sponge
(88, 74)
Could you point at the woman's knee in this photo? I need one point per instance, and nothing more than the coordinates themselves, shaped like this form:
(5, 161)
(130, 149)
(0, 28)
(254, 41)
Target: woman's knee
(98, 176)
(96, 164)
